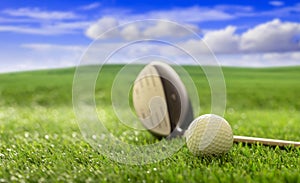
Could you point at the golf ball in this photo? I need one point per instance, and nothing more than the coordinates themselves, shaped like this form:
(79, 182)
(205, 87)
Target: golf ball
(209, 134)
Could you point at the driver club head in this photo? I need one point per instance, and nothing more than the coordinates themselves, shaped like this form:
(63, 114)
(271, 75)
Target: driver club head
(161, 101)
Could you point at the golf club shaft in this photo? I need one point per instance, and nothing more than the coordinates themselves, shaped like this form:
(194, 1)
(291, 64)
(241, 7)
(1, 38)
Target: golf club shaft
(264, 141)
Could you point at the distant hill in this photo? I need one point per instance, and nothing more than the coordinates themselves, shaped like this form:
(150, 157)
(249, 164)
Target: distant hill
(246, 87)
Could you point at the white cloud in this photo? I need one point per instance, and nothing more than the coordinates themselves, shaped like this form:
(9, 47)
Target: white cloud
(101, 26)
(264, 59)
(287, 57)
(168, 29)
(148, 29)
(272, 43)
(47, 29)
(131, 32)
(36, 13)
(194, 14)
(198, 14)
(279, 10)
(31, 30)
(276, 3)
(52, 55)
(269, 37)
(17, 20)
(37, 22)
(74, 25)
(52, 47)
(42, 56)
(90, 6)
(223, 41)
(284, 11)
(273, 36)
(193, 46)
(234, 8)
(191, 14)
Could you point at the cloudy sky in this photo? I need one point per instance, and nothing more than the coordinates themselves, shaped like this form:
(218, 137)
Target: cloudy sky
(52, 34)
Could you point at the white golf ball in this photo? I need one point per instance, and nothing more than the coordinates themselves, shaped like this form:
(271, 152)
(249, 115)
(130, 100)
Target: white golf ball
(209, 134)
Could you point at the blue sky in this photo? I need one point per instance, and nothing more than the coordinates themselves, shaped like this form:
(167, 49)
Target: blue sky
(51, 34)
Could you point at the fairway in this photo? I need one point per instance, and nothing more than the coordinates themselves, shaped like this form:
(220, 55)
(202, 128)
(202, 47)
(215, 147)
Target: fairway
(40, 140)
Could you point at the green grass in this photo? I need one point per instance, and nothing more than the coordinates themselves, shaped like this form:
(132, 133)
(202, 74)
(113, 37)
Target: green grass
(40, 140)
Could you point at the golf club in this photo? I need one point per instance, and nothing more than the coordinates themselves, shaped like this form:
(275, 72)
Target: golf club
(162, 104)
(161, 101)
(265, 141)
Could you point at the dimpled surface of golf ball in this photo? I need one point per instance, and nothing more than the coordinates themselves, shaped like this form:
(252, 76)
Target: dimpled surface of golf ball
(209, 134)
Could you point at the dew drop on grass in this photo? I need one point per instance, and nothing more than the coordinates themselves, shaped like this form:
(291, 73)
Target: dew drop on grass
(55, 136)
(26, 134)
(103, 136)
(235, 127)
(47, 137)
(74, 135)
(230, 110)
(13, 178)
(243, 116)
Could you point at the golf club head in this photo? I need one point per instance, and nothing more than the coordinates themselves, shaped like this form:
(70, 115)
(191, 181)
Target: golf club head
(161, 101)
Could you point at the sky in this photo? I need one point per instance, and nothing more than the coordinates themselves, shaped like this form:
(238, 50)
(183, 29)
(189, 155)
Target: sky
(54, 34)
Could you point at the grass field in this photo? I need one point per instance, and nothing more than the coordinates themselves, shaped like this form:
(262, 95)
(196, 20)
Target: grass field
(40, 140)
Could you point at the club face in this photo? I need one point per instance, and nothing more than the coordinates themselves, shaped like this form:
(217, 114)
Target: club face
(161, 101)
(150, 102)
